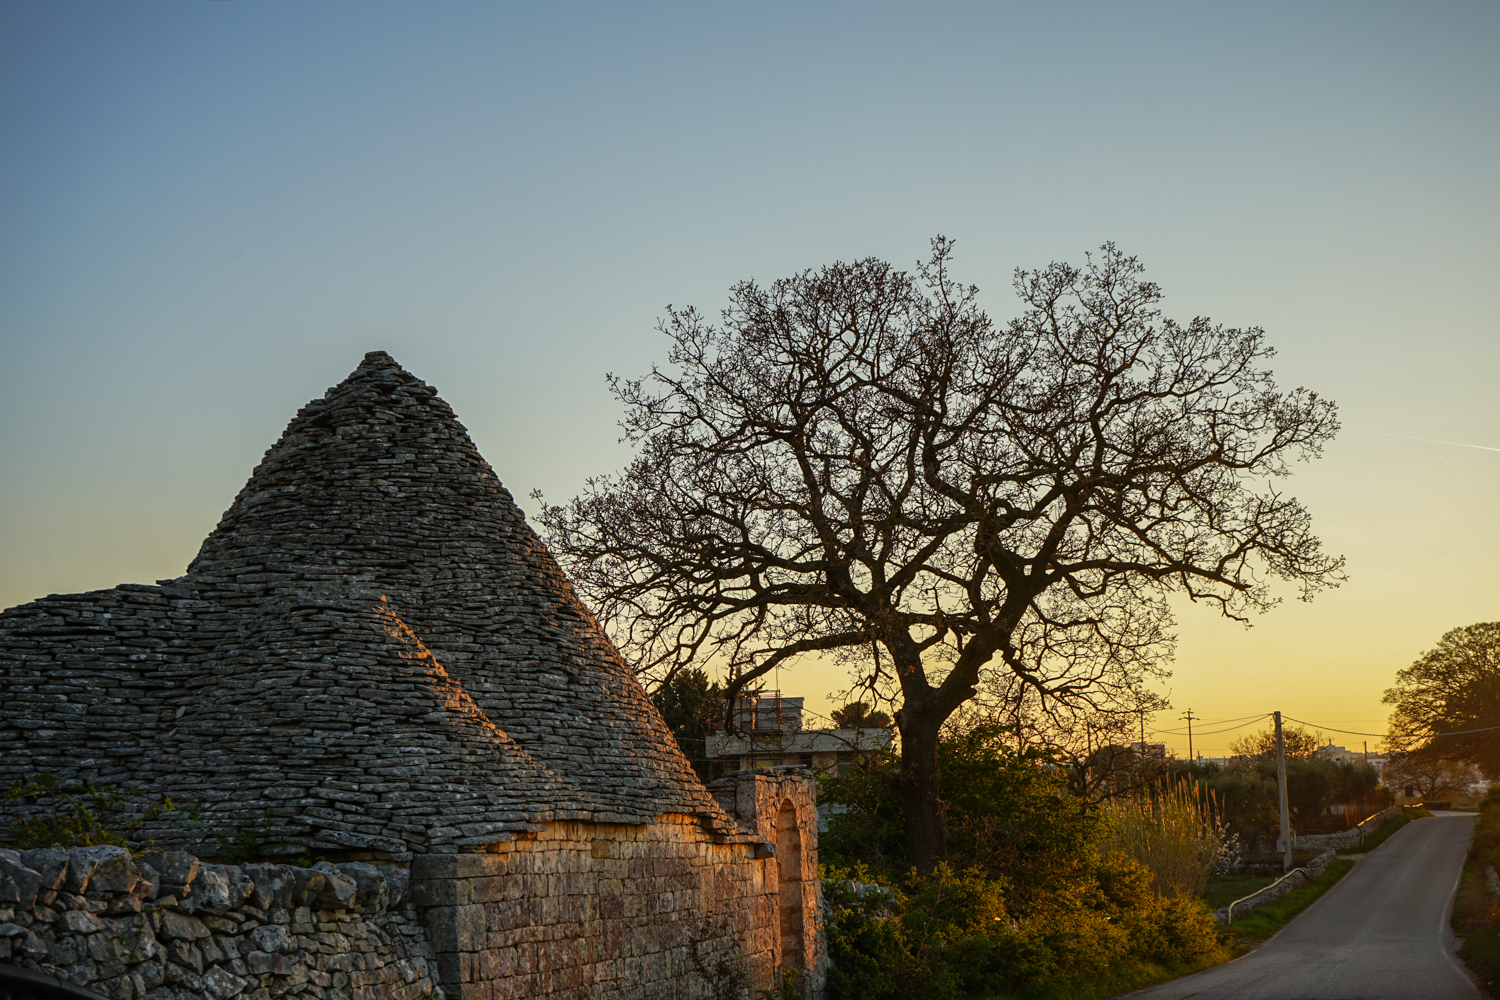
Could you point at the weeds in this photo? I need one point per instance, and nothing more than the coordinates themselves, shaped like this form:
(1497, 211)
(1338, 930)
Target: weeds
(1174, 831)
(83, 817)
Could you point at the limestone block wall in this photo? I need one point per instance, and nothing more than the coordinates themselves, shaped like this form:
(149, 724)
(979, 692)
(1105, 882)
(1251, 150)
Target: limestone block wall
(665, 910)
(777, 807)
(167, 927)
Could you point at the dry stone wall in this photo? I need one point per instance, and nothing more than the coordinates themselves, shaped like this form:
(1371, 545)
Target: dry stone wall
(666, 910)
(1295, 880)
(167, 927)
(1349, 837)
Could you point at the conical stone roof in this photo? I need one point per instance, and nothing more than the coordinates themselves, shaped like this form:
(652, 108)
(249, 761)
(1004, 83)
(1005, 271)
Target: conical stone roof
(372, 651)
(334, 708)
(376, 490)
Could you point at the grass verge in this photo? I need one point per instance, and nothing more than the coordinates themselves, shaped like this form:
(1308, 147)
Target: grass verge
(1225, 889)
(1136, 976)
(1381, 835)
(1476, 913)
(1263, 921)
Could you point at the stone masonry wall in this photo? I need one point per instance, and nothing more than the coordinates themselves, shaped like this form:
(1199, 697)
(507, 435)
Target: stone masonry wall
(166, 927)
(1349, 837)
(665, 910)
(1295, 880)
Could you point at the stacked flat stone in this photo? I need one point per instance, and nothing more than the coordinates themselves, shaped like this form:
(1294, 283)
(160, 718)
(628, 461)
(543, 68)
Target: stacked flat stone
(167, 927)
(372, 651)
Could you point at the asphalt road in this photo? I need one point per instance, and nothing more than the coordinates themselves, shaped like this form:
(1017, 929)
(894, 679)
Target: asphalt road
(1380, 934)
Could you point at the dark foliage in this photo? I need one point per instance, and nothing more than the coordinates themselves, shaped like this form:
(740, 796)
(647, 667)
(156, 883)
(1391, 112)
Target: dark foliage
(1297, 744)
(692, 706)
(1249, 801)
(1454, 688)
(1007, 812)
(858, 715)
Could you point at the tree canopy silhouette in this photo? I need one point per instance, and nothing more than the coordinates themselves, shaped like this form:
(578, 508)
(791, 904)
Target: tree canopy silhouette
(856, 461)
(859, 715)
(1296, 743)
(1451, 689)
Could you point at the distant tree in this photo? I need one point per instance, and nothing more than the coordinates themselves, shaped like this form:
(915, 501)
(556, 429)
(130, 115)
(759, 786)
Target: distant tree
(1454, 688)
(856, 461)
(1297, 744)
(692, 706)
(1429, 776)
(858, 715)
(1250, 801)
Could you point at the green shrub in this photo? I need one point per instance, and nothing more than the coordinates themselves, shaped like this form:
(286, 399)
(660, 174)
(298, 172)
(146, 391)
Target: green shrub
(1008, 814)
(1036, 900)
(1476, 913)
(950, 936)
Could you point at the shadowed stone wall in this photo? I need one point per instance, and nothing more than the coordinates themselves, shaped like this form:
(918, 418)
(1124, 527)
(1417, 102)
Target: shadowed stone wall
(665, 910)
(165, 927)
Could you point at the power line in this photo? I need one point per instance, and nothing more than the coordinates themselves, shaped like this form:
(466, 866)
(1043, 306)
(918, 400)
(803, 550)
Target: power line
(1215, 722)
(1210, 732)
(1399, 736)
(1230, 729)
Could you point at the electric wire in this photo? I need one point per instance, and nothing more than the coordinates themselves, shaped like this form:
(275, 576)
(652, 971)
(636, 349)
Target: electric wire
(1211, 732)
(1387, 736)
(1217, 722)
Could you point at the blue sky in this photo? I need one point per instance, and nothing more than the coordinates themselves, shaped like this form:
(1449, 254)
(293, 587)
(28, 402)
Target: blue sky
(210, 210)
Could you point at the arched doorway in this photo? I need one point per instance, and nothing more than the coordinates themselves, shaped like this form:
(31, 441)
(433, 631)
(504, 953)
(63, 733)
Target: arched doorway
(789, 864)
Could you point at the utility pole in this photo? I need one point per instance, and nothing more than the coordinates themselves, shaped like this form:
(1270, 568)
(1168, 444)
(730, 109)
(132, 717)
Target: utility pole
(1286, 817)
(1367, 753)
(1189, 718)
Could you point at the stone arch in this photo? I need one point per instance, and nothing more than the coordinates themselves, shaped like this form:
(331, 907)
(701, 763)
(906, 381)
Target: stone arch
(789, 903)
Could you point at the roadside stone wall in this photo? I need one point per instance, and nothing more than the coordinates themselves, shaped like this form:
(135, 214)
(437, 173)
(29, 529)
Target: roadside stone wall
(1349, 837)
(167, 927)
(1298, 878)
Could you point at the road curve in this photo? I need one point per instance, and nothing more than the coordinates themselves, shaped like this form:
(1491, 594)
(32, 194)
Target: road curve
(1380, 934)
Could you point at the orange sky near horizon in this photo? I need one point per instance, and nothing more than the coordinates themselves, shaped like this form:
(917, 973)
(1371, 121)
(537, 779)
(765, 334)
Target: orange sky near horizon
(211, 211)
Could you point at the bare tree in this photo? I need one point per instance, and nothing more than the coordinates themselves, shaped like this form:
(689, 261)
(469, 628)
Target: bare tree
(857, 461)
(1430, 776)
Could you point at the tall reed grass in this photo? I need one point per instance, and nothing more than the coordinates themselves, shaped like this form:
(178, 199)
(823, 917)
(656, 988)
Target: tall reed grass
(1173, 829)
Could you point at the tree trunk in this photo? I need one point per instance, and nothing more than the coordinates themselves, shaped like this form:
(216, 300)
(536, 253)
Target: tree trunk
(919, 788)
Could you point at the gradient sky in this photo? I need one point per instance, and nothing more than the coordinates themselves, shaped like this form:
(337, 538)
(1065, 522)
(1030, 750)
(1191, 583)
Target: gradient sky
(209, 211)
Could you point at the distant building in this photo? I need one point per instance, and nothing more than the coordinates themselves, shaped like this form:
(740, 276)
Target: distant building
(1216, 761)
(1150, 751)
(771, 734)
(1343, 755)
